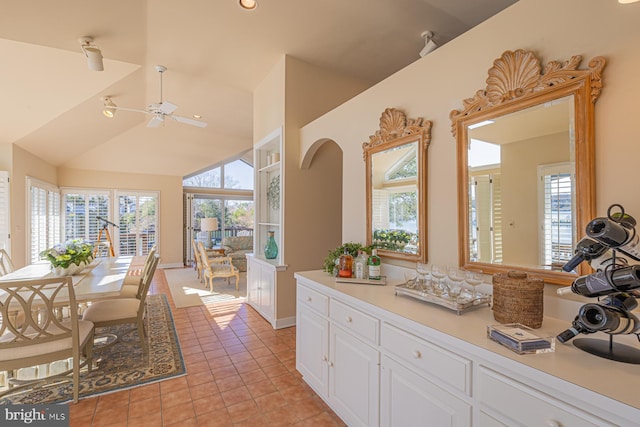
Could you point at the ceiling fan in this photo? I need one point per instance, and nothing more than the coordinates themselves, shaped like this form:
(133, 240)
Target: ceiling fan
(160, 110)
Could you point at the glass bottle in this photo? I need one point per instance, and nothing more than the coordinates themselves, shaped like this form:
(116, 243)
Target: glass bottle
(345, 268)
(373, 264)
(271, 248)
(361, 265)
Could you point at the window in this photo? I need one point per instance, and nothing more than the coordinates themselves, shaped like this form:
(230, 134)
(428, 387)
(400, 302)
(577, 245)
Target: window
(485, 226)
(556, 216)
(137, 218)
(44, 217)
(81, 211)
(236, 175)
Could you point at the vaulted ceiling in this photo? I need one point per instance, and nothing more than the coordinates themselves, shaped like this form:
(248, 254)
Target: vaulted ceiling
(215, 53)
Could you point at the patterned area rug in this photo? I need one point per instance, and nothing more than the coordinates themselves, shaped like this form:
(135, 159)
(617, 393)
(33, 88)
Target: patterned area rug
(124, 364)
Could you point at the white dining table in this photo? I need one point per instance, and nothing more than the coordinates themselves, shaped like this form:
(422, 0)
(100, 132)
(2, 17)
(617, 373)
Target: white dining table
(103, 278)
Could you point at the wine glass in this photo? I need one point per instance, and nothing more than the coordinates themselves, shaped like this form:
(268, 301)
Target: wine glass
(456, 276)
(410, 279)
(473, 278)
(439, 272)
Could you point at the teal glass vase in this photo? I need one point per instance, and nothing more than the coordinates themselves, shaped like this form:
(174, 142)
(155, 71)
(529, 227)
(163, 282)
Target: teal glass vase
(271, 249)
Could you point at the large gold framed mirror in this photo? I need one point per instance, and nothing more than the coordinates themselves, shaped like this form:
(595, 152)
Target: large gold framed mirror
(396, 186)
(525, 150)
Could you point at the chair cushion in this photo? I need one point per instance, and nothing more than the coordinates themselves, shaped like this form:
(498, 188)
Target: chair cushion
(112, 309)
(129, 291)
(85, 328)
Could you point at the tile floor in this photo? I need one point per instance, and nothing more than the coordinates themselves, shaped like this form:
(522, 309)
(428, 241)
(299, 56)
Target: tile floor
(240, 372)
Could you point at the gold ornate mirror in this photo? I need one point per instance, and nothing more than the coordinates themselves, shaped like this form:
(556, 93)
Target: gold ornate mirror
(525, 149)
(396, 167)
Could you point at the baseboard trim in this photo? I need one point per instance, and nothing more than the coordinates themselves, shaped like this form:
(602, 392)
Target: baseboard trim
(284, 323)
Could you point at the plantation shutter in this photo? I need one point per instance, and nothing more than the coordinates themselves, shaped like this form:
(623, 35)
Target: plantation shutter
(557, 218)
(487, 214)
(81, 212)
(5, 218)
(138, 222)
(44, 217)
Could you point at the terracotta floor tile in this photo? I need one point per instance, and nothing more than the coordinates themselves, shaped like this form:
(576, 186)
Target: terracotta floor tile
(236, 395)
(240, 372)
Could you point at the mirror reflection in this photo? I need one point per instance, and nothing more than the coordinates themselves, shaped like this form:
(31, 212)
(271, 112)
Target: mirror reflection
(394, 199)
(521, 169)
(396, 184)
(525, 150)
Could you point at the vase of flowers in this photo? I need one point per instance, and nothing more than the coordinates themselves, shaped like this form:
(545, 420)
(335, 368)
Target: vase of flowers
(70, 257)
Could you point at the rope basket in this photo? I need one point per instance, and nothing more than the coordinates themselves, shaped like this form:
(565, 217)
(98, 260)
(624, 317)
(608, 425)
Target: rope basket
(518, 299)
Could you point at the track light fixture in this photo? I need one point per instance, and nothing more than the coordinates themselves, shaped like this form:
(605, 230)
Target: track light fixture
(93, 54)
(429, 45)
(248, 4)
(110, 107)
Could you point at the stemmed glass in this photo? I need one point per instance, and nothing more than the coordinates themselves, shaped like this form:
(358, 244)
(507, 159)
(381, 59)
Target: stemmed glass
(456, 276)
(439, 272)
(473, 278)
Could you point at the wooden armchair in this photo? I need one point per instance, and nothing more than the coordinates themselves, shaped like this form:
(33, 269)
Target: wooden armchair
(217, 267)
(33, 331)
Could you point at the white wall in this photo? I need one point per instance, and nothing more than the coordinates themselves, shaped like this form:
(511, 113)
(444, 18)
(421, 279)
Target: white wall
(436, 84)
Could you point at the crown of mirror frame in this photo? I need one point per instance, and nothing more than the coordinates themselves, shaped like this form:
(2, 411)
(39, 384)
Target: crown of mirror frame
(396, 184)
(518, 86)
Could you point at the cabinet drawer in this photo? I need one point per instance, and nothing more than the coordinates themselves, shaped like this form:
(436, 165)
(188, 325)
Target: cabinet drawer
(314, 299)
(351, 319)
(430, 360)
(519, 402)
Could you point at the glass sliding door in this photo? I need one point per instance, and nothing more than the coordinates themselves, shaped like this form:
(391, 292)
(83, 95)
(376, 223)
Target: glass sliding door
(138, 222)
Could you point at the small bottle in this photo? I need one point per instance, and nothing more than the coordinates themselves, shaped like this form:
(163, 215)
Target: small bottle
(373, 264)
(345, 268)
(361, 265)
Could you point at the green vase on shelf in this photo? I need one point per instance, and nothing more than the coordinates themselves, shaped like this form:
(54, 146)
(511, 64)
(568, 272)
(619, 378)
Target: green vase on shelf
(271, 249)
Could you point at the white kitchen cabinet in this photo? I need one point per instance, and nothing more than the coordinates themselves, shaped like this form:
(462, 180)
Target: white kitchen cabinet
(407, 399)
(341, 367)
(261, 282)
(428, 377)
(354, 372)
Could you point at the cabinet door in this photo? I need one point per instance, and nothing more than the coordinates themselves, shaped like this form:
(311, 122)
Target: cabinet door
(354, 375)
(407, 399)
(266, 292)
(312, 349)
(253, 278)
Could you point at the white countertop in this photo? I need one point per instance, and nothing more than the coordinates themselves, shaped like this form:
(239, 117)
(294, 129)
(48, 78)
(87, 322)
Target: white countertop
(616, 380)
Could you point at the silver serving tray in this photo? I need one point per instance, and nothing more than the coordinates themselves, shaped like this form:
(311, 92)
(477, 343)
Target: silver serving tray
(459, 306)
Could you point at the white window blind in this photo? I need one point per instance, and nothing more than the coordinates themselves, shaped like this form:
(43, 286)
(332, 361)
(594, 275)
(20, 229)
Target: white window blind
(81, 210)
(486, 218)
(44, 217)
(5, 218)
(138, 222)
(556, 216)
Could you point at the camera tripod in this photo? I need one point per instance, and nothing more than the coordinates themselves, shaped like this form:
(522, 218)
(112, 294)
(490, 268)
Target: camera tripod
(104, 230)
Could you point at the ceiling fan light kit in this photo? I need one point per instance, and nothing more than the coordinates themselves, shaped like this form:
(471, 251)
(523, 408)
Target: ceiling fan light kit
(92, 53)
(159, 110)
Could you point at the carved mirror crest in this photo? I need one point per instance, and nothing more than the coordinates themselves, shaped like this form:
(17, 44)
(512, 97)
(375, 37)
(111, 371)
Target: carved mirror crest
(396, 186)
(525, 149)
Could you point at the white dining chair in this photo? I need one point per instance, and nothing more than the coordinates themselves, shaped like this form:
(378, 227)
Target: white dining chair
(6, 265)
(33, 331)
(120, 311)
(132, 283)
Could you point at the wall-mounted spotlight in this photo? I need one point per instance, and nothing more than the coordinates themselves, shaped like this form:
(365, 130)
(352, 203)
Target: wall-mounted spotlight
(93, 54)
(248, 4)
(109, 109)
(429, 45)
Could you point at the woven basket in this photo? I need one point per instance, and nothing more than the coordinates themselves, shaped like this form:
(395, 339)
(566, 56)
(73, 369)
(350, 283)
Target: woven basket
(518, 299)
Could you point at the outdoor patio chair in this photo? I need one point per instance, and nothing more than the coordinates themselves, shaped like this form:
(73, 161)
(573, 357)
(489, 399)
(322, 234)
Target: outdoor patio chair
(34, 332)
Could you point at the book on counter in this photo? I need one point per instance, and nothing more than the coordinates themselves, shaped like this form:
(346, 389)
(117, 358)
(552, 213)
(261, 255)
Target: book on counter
(520, 338)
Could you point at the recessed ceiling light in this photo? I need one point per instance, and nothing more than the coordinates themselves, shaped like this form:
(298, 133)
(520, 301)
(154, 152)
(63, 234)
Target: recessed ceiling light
(627, 1)
(248, 4)
(197, 116)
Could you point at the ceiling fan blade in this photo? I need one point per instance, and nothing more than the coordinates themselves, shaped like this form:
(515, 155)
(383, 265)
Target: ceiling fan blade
(167, 107)
(188, 121)
(156, 121)
(130, 109)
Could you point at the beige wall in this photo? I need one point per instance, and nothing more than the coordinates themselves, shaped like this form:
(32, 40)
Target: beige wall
(268, 102)
(436, 84)
(170, 243)
(24, 164)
